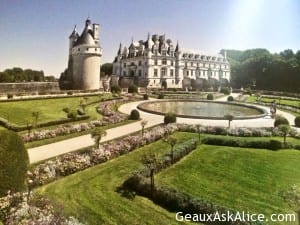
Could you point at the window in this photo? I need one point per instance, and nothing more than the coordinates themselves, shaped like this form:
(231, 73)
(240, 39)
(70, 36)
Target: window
(155, 62)
(154, 81)
(164, 53)
(192, 64)
(95, 49)
(140, 63)
(187, 72)
(145, 63)
(171, 53)
(172, 63)
(140, 73)
(163, 72)
(191, 72)
(124, 73)
(155, 52)
(79, 49)
(185, 64)
(197, 64)
(87, 49)
(171, 72)
(172, 81)
(155, 73)
(164, 62)
(124, 65)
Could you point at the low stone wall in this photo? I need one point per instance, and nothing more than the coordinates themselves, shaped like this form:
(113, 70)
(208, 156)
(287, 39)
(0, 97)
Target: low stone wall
(26, 87)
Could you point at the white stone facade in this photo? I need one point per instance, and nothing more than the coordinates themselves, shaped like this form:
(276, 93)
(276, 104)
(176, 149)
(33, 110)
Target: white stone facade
(84, 58)
(157, 60)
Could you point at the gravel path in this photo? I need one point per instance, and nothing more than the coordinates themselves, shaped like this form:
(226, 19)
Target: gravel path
(72, 144)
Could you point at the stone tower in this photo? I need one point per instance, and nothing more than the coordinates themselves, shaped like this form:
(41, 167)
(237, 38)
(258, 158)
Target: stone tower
(83, 71)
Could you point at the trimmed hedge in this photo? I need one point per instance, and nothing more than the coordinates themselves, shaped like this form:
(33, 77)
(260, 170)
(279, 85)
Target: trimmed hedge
(145, 96)
(17, 128)
(115, 89)
(271, 144)
(13, 162)
(132, 89)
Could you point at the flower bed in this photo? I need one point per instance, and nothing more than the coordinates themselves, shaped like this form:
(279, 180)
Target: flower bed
(20, 209)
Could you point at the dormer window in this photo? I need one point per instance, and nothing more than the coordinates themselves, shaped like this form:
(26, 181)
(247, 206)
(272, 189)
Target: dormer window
(164, 53)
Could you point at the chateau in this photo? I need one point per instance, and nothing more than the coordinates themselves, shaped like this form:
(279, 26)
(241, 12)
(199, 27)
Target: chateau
(157, 60)
(83, 71)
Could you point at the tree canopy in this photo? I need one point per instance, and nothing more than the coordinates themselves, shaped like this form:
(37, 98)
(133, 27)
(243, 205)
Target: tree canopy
(260, 69)
(17, 74)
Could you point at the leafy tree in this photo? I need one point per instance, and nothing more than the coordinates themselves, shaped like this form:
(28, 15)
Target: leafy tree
(97, 135)
(198, 127)
(13, 162)
(229, 117)
(134, 115)
(106, 69)
(279, 120)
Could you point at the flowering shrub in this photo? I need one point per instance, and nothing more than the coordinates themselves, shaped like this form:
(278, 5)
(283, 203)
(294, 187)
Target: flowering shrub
(76, 161)
(19, 209)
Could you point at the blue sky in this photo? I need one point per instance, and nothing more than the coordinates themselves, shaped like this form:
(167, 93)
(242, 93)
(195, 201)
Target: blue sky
(34, 33)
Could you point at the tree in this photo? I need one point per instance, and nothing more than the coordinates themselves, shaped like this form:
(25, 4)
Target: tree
(13, 162)
(97, 135)
(143, 124)
(36, 116)
(172, 142)
(284, 129)
(229, 117)
(106, 69)
(150, 161)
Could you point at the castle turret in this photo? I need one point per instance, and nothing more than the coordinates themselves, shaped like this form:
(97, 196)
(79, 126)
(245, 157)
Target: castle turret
(84, 58)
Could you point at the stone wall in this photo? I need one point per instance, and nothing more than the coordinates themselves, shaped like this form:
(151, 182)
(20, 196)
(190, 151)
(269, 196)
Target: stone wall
(26, 87)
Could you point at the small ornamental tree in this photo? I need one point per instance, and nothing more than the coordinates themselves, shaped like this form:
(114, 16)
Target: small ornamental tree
(97, 135)
(13, 162)
(284, 129)
(279, 120)
(36, 116)
(172, 142)
(150, 161)
(229, 117)
(198, 127)
(143, 124)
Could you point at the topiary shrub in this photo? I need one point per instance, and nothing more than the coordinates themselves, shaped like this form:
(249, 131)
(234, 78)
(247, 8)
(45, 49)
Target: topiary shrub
(161, 96)
(210, 97)
(230, 98)
(13, 162)
(146, 97)
(132, 89)
(134, 115)
(115, 89)
(279, 120)
(275, 145)
(80, 111)
(170, 118)
(297, 121)
(72, 115)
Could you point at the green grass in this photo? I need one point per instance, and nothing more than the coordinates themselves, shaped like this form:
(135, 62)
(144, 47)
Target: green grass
(91, 195)
(19, 112)
(238, 178)
(294, 103)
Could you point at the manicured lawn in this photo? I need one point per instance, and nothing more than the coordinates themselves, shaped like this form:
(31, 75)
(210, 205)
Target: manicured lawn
(269, 100)
(91, 195)
(238, 178)
(19, 112)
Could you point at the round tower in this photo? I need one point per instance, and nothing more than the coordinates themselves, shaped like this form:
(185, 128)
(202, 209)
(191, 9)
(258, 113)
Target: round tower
(86, 55)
